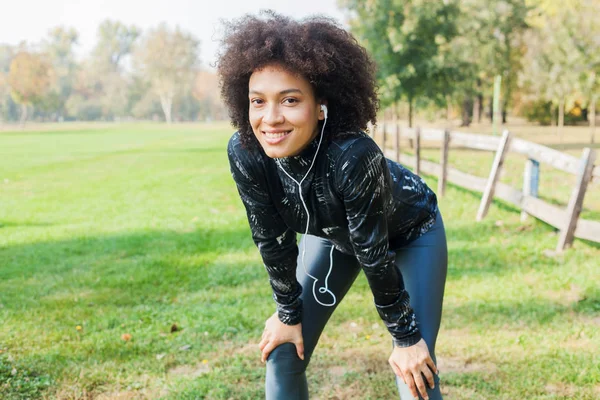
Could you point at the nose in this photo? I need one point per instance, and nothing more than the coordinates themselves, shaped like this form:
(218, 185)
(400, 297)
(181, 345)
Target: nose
(273, 115)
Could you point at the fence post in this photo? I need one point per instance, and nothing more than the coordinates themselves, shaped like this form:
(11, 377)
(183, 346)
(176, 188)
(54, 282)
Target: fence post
(567, 233)
(444, 163)
(488, 193)
(531, 182)
(418, 151)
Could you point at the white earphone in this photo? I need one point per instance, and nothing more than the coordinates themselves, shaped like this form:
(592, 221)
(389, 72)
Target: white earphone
(325, 288)
(324, 109)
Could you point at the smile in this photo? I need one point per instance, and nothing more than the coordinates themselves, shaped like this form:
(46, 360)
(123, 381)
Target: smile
(275, 137)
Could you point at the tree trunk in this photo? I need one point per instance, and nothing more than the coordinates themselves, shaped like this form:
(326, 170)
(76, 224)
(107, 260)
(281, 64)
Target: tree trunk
(477, 109)
(478, 103)
(166, 103)
(410, 112)
(23, 115)
(491, 109)
(592, 117)
(561, 118)
(466, 117)
(506, 98)
(448, 108)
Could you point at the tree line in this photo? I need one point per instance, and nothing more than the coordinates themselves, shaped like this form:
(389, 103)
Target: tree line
(438, 55)
(128, 75)
(446, 54)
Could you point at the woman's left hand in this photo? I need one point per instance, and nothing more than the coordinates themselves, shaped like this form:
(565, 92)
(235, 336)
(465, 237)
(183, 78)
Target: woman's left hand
(276, 333)
(410, 362)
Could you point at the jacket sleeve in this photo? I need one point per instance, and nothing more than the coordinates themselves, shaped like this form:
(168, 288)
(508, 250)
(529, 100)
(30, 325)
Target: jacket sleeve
(361, 180)
(276, 242)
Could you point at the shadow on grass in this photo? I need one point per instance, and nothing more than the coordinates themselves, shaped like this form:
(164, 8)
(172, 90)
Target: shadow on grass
(523, 314)
(133, 265)
(13, 224)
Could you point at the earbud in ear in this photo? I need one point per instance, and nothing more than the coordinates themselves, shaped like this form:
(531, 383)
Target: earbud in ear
(324, 109)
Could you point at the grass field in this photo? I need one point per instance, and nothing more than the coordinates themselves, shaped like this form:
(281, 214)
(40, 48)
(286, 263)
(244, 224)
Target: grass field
(127, 271)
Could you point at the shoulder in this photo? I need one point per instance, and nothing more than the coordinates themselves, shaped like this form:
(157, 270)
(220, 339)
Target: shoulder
(354, 148)
(242, 161)
(359, 156)
(234, 145)
(352, 141)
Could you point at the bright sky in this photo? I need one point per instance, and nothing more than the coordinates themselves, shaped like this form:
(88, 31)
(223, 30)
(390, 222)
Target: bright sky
(30, 20)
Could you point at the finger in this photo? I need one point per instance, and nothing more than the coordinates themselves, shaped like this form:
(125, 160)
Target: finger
(263, 343)
(267, 350)
(432, 366)
(429, 376)
(396, 370)
(420, 385)
(300, 350)
(408, 379)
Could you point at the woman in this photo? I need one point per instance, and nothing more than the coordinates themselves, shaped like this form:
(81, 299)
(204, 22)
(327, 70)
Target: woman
(300, 95)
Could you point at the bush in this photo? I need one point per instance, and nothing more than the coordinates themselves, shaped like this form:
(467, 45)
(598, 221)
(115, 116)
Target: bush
(544, 112)
(539, 111)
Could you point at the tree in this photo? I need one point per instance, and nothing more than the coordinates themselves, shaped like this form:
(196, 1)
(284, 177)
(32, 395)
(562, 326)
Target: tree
(497, 30)
(6, 55)
(588, 44)
(115, 42)
(29, 79)
(168, 60)
(59, 49)
(553, 61)
(405, 38)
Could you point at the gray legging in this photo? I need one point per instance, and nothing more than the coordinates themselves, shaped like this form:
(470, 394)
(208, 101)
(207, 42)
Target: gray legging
(423, 264)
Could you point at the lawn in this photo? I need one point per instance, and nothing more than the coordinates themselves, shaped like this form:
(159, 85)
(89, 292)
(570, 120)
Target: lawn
(127, 271)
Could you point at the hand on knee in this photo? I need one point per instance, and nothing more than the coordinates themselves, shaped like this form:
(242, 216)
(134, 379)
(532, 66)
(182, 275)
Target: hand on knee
(276, 333)
(411, 364)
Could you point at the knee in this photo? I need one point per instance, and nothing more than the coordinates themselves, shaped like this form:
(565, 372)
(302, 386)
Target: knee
(284, 359)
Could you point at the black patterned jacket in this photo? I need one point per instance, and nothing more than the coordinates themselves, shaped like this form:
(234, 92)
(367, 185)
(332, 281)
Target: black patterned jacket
(365, 204)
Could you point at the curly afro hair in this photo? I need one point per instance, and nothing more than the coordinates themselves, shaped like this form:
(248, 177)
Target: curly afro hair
(339, 69)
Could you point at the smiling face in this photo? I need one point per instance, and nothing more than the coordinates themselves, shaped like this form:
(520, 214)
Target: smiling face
(283, 112)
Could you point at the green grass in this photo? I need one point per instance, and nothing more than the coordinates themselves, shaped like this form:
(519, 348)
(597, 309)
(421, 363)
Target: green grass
(129, 229)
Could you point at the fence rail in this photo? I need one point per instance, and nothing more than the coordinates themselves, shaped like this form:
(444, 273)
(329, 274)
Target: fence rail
(566, 220)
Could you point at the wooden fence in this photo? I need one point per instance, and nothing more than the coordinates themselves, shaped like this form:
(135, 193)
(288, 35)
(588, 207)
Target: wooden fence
(566, 220)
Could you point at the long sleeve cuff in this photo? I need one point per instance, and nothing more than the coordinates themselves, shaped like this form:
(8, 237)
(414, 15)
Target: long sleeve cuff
(400, 321)
(289, 306)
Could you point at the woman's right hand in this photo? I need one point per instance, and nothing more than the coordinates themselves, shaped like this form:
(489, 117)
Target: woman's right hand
(411, 364)
(276, 333)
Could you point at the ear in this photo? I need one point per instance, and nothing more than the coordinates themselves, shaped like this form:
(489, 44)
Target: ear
(322, 113)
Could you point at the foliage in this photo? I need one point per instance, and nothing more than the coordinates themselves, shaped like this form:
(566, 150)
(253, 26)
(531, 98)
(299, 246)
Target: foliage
(405, 39)
(539, 111)
(167, 59)
(58, 48)
(29, 77)
(431, 54)
(115, 43)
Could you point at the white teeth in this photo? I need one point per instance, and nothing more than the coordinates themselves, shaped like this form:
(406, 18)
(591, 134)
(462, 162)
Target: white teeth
(275, 135)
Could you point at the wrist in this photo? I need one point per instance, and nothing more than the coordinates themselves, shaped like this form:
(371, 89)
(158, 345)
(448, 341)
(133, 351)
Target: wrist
(290, 317)
(408, 341)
